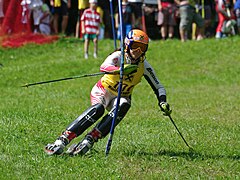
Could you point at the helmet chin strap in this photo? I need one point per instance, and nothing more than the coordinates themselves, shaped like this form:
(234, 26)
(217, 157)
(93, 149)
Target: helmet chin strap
(128, 58)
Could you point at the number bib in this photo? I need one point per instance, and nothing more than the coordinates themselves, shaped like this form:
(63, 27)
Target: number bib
(111, 82)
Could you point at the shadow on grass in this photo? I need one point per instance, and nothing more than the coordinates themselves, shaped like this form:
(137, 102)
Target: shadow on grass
(191, 155)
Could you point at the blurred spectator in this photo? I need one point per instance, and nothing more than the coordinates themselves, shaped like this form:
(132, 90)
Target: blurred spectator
(48, 3)
(1, 12)
(208, 12)
(102, 26)
(237, 13)
(137, 9)
(188, 16)
(41, 17)
(128, 19)
(226, 20)
(167, 9)
(45, 20)
(90, 22)
(72, 18)
(82, 5)
(150, 19)
(105, 5)
(60, 8)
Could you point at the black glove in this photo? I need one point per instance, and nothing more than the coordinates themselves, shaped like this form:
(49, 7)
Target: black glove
(164, 106)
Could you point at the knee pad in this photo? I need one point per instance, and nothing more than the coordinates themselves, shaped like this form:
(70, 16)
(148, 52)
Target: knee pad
(105, 124)
(86, 119)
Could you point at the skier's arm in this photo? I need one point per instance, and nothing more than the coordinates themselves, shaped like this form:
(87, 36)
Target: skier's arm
(154, 82)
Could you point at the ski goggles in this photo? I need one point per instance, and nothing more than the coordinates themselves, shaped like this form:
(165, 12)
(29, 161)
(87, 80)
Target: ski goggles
(138, 45)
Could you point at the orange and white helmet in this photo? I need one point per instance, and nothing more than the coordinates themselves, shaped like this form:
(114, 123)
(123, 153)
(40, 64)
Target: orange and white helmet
(135, 39)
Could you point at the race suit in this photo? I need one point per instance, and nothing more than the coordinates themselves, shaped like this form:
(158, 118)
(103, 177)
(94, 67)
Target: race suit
(106, 89)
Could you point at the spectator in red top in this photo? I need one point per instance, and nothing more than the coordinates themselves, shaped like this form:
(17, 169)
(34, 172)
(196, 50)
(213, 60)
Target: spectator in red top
(225, 18)
(168, 9)
(90, 22)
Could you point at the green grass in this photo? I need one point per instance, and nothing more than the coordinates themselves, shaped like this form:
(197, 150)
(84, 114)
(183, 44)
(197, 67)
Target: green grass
(202, 82)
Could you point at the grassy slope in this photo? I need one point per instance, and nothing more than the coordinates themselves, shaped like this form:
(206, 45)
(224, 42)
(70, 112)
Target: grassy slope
(202, 81)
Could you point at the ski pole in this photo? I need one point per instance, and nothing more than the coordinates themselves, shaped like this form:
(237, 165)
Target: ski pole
(67, 78)
(190, 148)
(109, 143)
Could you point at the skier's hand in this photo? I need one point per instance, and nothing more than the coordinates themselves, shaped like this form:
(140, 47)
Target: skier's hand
(165, 107)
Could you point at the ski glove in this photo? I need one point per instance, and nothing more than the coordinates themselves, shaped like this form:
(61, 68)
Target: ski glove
(128, 69)
(165, 107)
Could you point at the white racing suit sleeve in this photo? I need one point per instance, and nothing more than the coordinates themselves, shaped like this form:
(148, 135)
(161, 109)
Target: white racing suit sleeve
(156, 85)
(112, 62)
